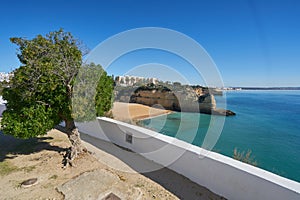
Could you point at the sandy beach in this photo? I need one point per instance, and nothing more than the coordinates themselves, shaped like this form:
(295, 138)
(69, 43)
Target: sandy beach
(132, 111)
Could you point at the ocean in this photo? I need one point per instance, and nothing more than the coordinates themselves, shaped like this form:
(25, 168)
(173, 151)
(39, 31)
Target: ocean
(267, 123)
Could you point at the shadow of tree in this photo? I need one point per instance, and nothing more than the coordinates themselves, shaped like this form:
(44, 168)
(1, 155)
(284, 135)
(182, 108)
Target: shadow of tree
(10, 146)
(177, 184)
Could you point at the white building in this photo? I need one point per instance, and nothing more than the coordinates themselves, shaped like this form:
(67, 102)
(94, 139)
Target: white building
(132, 80)
(5, 76)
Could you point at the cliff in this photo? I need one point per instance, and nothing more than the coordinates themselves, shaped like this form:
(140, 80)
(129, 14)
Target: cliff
(181, 100)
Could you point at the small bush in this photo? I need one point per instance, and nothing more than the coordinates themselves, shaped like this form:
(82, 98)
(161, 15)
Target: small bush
(244, 157)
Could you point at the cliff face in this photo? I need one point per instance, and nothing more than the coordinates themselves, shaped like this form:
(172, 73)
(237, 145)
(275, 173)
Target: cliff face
(187, 100)
(177, 101)
(150, 98)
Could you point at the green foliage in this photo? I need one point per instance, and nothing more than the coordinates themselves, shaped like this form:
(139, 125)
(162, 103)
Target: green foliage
(3, 85)
(92, 85)
(244, 157)
(104, 95)
(39, 94)
(177, 84)
(45, 91)
(28, 121)
(151, 86)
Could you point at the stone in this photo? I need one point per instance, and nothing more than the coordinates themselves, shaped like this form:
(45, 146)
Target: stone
(99, 184)
(111, 196)
(29, 182)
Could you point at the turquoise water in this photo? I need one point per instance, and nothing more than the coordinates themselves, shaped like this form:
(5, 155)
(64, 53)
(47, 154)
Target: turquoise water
(267, 123)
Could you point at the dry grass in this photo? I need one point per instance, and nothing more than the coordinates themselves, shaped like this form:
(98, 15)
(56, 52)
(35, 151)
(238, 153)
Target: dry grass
(244, 157)
(6, 168)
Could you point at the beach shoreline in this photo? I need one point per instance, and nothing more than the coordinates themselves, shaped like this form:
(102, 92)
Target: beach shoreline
(136, 112)
(152, 116)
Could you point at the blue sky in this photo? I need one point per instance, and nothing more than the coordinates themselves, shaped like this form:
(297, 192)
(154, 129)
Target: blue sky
(253, 43)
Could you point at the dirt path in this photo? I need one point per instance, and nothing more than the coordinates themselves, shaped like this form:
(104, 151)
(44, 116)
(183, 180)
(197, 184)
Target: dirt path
(41, 158)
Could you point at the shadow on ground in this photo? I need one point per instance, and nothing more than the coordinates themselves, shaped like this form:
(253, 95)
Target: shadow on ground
(11, 146)
(177, 184)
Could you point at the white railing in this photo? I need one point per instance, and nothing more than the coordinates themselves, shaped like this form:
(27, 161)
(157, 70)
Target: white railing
(220, 174)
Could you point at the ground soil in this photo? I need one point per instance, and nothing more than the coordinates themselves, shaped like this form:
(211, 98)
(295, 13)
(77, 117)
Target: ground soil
(41, 158)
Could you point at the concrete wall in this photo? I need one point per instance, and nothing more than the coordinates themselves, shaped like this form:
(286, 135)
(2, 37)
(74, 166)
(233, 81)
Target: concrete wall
(222, 175)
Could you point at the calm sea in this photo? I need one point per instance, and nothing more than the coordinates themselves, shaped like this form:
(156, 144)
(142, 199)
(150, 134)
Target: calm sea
(267, 123)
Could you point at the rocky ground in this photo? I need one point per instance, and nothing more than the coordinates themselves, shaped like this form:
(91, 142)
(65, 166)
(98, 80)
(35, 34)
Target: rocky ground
(93, 177)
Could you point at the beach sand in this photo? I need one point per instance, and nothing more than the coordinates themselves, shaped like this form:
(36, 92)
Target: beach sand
(132, 111)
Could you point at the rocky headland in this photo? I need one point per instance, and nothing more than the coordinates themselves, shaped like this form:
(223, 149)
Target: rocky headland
(177, 98)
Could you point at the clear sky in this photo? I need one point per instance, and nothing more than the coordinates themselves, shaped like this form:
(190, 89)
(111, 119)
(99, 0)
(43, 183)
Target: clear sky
(252, 42)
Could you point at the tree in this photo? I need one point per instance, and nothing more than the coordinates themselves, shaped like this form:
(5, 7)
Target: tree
(104, 94)
(92, 85)
(40, 93)
(3, 84)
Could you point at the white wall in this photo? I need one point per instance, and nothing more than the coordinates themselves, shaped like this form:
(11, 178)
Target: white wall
(220, 174)
(2, 108)
(2, 105)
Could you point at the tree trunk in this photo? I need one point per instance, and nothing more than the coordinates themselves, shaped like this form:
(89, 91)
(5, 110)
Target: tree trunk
(76, 146)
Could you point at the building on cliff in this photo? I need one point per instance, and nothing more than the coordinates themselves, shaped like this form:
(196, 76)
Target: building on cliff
(134, 80)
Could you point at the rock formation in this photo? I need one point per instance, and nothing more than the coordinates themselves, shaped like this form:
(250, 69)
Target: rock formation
(181, 100)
